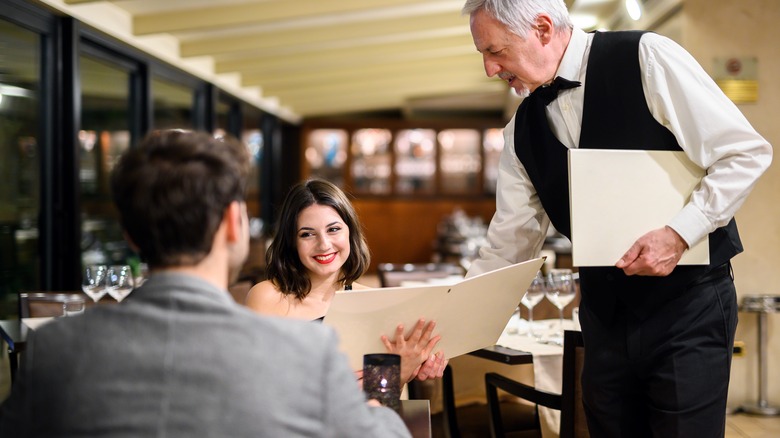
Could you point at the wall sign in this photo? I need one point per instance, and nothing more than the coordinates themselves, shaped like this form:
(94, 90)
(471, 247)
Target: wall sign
(737, 77)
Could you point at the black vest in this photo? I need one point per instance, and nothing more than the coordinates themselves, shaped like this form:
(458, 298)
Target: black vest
(615, 116)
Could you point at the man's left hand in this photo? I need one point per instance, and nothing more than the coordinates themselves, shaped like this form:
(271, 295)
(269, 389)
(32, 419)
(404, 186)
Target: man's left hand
(656, 253)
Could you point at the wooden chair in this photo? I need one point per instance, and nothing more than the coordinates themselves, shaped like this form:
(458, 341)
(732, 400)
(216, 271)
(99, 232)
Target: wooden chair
(569, 401)
(474, 420)
(43, 304)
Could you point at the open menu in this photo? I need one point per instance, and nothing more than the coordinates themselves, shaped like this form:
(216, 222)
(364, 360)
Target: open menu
(469, 315)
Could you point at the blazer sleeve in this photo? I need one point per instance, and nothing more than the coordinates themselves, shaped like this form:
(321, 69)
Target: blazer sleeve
(346, 411)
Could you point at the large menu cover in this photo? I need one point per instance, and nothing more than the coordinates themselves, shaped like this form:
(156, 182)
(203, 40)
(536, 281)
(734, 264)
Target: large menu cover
(616, 196)
(469, 315)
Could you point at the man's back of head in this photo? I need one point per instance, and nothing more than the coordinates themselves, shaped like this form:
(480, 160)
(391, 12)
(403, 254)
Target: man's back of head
(172, 191)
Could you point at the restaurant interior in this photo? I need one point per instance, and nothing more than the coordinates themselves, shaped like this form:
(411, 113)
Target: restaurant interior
(387, 98)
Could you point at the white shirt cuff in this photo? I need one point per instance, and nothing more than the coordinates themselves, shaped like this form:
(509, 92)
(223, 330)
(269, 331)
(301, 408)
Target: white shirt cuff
(691, 224)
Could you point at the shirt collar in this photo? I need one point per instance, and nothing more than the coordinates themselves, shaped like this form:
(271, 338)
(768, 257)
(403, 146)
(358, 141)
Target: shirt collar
(571, 63)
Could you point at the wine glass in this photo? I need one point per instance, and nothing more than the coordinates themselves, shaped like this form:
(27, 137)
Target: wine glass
(561, 290)
(531, 297)
(119, 281)
(93, 282)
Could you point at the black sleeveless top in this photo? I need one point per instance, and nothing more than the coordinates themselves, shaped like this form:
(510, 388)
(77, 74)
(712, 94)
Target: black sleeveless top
(346, 287)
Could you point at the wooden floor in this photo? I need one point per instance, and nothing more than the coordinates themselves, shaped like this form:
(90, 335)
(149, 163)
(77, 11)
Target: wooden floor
(748, 426)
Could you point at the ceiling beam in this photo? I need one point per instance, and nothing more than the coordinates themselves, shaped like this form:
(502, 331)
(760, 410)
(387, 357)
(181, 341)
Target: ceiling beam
(232, 15)
(439, 66)
(356, 56)
(383, 99)
(420, 81)
(353, 34)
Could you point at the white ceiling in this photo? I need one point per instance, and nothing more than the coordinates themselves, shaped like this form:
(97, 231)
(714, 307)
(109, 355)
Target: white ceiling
(310, 58)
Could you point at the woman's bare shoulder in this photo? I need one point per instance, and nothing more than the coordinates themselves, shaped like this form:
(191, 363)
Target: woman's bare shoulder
(265, 298)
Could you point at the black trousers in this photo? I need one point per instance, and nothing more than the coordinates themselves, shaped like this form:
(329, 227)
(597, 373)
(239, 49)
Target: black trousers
(665, 376)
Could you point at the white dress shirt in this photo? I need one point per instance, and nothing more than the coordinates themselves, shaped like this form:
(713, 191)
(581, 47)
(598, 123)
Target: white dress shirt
(682, 97)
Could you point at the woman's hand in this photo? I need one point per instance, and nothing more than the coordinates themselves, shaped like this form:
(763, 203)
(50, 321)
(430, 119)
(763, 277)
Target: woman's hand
(415, 350)
(433, 368)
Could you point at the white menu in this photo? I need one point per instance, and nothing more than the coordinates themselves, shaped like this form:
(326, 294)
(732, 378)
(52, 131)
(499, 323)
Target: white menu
(619, 195)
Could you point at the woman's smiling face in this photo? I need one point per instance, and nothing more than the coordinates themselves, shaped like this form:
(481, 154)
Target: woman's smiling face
(322, 240)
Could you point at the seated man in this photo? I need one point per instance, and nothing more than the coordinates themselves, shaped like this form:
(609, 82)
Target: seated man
(178, 357)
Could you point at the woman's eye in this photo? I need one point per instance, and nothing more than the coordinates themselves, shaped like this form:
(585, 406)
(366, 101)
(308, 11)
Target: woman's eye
(304, 235)
(334, 229)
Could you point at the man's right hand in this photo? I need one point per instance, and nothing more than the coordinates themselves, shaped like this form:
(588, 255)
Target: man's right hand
(654, 254)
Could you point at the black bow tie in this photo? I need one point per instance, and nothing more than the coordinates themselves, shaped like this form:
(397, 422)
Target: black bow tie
(548, 93)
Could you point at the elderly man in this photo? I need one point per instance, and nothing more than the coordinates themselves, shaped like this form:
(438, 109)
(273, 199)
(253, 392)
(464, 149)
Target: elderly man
(658, 336)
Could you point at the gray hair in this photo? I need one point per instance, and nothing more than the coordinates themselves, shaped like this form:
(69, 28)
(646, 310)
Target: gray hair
(519, 15)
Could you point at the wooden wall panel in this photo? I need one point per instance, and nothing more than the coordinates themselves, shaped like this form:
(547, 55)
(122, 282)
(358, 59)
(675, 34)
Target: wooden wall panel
(405, 231)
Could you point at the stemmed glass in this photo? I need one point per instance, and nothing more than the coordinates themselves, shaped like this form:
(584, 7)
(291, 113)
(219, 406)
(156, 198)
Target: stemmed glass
(119, 281)
(561, 290)
(532, 296)
(93, 282)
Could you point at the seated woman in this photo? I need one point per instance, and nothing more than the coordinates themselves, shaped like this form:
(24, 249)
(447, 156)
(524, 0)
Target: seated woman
(319, 249)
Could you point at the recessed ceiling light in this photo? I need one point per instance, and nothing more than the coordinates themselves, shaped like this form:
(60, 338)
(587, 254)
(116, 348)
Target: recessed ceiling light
(634, 9)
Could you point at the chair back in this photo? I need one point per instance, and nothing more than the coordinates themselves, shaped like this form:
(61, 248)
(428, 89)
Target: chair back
(44, 304)
(392, 274)
(568, 402)
(573, 421)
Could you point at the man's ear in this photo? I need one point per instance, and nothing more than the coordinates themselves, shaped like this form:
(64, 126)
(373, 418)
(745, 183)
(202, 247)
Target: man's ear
(544, 28)
(233, 221)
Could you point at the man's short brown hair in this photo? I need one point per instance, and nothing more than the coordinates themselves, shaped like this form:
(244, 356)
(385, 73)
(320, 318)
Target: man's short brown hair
(172, 191)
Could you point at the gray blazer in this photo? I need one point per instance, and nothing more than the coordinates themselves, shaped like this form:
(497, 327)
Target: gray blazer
(178, 358)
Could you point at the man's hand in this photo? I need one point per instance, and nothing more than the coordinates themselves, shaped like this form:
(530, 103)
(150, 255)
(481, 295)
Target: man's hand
(656, 253)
